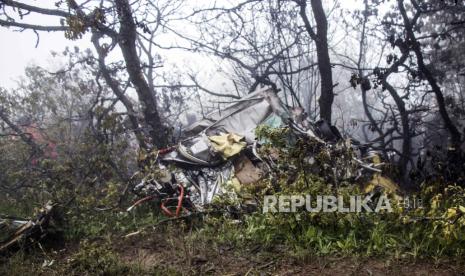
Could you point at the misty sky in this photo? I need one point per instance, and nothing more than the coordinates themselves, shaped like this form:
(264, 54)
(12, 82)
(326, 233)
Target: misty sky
(18, 49)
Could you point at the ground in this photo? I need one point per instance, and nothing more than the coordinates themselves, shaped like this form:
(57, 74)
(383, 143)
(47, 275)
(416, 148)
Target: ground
(177, 250)
(159, 254)
(188, 259)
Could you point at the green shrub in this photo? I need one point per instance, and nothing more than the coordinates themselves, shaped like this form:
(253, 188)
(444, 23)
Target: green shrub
(434, 230)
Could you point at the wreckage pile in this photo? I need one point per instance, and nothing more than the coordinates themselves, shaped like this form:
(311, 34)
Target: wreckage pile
(258, 146)
(253, 143)
(247, 142)
(18, 233)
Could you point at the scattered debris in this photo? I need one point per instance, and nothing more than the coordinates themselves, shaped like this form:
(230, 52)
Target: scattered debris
(223, 149)
(18, 233)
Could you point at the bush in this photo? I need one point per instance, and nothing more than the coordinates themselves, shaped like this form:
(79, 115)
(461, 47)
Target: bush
(436, 229)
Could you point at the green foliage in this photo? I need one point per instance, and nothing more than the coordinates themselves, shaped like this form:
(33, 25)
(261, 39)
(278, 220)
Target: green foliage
(277, 137)
(92, 155)
(434, 230)
(93, 224)
(334, 164)
(97, 259)
(430, 231)
(19, 264)
(90, 258)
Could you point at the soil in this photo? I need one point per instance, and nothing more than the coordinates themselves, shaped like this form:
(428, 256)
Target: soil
(177, 254)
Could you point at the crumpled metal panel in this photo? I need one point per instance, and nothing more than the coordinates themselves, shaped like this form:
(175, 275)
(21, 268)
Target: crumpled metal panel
(204, 167)
(198, 152)
(243, 122)
(25, 232)
(241, 117)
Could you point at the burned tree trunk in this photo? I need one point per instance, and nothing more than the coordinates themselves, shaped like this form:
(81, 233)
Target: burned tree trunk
(404, 118)
(415, 46)
(324, 62)
(114, 86)
(127, 42)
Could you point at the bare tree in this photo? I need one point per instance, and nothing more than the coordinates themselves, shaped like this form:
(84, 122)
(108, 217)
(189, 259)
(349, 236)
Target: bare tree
(414, 45)
(320, 37)
(102, 22)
